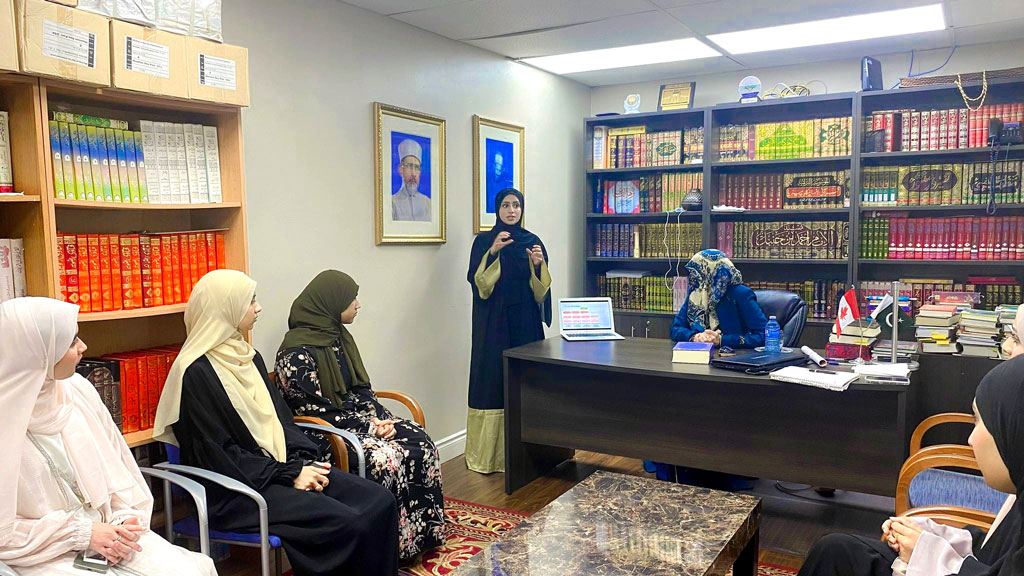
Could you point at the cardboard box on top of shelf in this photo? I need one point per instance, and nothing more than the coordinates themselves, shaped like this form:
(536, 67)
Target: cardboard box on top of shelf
(217, 72)
(62, 42)
(8, 37)
(147, 60)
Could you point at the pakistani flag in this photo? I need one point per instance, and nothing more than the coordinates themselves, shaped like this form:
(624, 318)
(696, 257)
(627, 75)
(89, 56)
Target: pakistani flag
(883, 314)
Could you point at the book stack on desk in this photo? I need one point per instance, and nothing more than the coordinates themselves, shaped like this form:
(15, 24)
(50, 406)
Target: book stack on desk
(883, 350)
(936, 328)
(855, 341)
(979, 333)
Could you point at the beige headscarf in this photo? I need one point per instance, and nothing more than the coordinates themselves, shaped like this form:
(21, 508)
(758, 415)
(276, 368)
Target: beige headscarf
(1018, 322)
(219, 301)
(35, 333)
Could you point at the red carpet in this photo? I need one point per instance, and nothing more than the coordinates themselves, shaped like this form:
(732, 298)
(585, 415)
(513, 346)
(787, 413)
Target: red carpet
(471, 527)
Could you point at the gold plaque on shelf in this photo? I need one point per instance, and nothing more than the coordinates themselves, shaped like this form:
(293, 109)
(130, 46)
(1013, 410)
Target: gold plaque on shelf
(676, 96)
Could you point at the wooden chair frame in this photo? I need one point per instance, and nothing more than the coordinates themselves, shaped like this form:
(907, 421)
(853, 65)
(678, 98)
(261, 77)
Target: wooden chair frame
(939, 456)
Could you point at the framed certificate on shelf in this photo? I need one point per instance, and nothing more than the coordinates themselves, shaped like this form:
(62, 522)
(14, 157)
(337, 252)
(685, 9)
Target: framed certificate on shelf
(676, 96)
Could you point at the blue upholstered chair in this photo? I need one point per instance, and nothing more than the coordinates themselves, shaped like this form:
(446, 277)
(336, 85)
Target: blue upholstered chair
(928, 487)
(789, 309)
(193, 526)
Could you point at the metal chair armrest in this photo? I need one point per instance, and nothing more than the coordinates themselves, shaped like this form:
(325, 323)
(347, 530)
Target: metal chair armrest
(198, 493)
(6, 571)
(239, 488)
(349, 437)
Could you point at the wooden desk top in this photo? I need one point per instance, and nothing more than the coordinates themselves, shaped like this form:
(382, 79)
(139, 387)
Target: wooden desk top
(648, 357)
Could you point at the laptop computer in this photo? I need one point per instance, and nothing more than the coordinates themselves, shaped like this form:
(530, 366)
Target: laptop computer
(760, 362)
(582, 319)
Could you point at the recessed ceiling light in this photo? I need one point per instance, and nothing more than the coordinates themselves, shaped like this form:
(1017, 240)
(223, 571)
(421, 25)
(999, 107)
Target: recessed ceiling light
(833, 30)
(636, 55)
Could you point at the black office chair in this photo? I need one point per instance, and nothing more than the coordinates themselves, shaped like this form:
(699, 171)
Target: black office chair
(789, 309)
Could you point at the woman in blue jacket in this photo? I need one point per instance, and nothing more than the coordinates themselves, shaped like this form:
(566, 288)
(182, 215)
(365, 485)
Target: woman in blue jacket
(719, 308)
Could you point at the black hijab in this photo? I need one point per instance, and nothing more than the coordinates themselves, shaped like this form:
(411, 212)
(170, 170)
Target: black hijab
(515, 262)
(1000, 401)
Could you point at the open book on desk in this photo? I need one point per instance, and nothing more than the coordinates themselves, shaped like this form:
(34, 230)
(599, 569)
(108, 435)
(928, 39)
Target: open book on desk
(836, 381)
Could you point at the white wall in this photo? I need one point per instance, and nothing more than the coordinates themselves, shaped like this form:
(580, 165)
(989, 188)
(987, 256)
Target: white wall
(316, 66)
(839, 75)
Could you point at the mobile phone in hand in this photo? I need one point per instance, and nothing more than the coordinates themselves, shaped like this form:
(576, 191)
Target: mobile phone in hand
(97, 564)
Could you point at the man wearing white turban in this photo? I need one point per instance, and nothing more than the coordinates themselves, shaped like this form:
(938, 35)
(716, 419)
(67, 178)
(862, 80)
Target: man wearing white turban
(409, 204)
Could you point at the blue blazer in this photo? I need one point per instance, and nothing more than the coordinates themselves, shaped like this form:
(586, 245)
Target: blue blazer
(740, 319)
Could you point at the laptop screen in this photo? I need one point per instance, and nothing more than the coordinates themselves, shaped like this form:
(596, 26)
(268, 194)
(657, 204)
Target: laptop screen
(585, 314)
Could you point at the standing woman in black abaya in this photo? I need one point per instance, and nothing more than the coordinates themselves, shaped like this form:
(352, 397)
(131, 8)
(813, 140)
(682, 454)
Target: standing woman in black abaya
(508, 272)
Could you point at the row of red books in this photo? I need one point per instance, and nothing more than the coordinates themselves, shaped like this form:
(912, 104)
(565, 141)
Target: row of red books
(130, 383)
(959, 238)
(955, 128)
(109, 272)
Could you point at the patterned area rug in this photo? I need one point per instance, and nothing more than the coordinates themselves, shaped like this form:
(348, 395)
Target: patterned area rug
(471, 527)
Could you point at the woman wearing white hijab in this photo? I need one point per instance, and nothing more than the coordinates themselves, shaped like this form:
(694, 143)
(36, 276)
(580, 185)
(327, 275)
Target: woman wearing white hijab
(68, 482)
(221, 409)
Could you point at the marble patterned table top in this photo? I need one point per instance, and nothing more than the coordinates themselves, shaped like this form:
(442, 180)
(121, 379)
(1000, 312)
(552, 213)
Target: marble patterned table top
(612, 524)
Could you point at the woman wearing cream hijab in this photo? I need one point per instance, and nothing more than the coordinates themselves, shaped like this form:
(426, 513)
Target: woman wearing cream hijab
(219, 407)
(68, 483)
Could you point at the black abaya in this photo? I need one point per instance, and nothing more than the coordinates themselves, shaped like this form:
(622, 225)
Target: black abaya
(349, 528)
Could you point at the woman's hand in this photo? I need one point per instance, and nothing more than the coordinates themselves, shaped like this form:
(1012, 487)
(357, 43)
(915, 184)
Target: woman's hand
(383, 428)
(500, 241)
(116, 543)
(313, 477)
(536, 255)
(710, 336)
(903, 536)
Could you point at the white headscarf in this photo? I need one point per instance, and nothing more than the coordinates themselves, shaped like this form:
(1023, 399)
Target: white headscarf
(218, 302)
(35, 333)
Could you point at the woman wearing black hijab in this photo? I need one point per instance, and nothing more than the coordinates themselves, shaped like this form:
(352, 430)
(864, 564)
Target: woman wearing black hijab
(916, 546)
(508, 272)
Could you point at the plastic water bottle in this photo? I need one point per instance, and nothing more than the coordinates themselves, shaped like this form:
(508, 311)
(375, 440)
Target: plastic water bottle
(772, 336)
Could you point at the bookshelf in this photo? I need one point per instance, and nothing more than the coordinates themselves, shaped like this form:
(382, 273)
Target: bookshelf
(38, 216)
(849, 270)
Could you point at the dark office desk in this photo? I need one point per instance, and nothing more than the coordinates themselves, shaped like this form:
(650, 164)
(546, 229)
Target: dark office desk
(627, 398)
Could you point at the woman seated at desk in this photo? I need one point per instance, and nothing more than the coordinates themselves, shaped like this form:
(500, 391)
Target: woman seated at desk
(719, 308)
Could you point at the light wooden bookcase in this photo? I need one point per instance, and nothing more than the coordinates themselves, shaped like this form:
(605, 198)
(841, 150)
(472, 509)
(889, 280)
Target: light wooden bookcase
(38, 215)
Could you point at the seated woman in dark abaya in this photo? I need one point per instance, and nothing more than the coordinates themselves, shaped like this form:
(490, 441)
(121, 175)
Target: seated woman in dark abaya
(219, 406)
(918, 546)
(321, 374)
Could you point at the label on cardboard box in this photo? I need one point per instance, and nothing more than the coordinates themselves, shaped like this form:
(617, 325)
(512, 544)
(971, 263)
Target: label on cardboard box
(216, 72)
(147, 57)
(69, 44)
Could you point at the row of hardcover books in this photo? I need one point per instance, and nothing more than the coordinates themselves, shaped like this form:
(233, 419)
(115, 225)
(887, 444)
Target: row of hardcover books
(821, 296)
(791, 191)
(817, 138)
(646, 240)
(12, 269)
(6, 173)
(912, 130)
(647, 194)
(100, 159)
(941, 184)
(634, 147)
(784, 240)
(647, 292)
(130, 383)
(109, 272)
(955, 238)
(994, 290)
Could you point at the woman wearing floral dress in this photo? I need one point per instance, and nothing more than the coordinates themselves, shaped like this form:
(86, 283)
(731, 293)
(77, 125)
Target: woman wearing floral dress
(321, 374)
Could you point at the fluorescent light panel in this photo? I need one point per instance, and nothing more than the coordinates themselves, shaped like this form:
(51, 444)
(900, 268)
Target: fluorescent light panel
(834, 30)
(636, 55)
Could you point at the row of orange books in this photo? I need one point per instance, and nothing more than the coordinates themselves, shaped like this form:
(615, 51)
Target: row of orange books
(110, 272)
(130, 383)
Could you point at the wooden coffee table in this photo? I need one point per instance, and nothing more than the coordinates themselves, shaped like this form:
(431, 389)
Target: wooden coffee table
(612, 524)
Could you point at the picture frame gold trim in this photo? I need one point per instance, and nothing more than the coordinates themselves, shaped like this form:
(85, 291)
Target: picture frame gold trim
(478, 184)
(379, 165)
(676, 96)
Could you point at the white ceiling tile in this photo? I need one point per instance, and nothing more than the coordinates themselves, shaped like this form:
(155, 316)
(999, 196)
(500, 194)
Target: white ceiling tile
(734, 15)
(849, 50)
(683, 69)
(972, 12)
(679, 3)
(610, 33)
(389, 7)
(486, 18)
(1009, 29)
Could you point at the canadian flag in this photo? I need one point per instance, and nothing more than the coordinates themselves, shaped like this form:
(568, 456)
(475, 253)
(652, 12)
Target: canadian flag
(848, 311)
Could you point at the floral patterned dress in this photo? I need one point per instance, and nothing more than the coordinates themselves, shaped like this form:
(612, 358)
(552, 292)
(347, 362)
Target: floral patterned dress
(408, 465)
